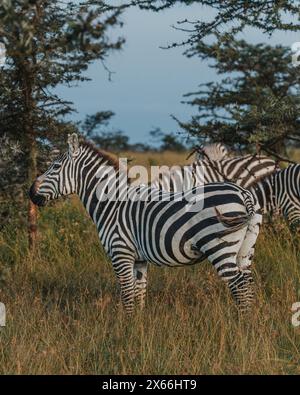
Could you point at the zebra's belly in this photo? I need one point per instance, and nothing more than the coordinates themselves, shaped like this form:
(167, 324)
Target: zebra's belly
(174, 244)
(188, 255)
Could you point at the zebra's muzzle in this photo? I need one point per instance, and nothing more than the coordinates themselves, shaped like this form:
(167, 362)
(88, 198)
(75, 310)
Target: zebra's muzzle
(35, 197)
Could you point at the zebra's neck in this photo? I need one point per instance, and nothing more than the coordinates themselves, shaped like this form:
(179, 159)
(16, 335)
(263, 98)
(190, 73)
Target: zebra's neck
(98, 187)
(265, 192)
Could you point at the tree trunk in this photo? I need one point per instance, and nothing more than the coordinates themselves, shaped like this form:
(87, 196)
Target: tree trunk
(32, 146)
(32, 225)
(27, 80)
(32, 208)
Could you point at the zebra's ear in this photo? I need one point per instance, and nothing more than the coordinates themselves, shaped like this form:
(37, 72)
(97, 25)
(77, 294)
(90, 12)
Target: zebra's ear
(73, 143)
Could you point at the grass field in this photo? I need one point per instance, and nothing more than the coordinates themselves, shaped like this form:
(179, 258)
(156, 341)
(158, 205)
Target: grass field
(64, 315)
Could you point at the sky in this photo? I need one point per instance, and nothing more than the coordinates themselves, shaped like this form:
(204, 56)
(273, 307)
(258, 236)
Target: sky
(148, 82)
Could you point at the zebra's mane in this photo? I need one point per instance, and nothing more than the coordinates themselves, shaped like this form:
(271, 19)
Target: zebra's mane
(103, 154)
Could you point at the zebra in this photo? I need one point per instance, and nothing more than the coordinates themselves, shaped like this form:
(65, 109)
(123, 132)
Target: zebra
(165, 229)
(275, 190)
(243, 170)
(280, 193)
(214, 151)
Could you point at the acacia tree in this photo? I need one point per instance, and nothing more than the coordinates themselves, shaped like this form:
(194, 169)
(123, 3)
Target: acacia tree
(256, 101)
(268, 116)
(94, 127)
(48, 43)
(232, 16)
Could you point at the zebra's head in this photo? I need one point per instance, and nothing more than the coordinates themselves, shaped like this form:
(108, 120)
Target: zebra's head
(59, 179)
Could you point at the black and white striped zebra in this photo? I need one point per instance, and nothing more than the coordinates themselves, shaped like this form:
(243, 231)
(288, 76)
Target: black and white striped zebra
(165, 229)
(276, 191)
(280, 192)
(213, 151)
(243, 171)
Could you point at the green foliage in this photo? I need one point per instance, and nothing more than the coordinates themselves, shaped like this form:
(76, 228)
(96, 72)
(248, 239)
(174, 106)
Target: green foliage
(11, 181)
(94, 128)
(93, 124)
(167, 141)
(48, 44)
(112, 141)
(256, 101)
(232, 16)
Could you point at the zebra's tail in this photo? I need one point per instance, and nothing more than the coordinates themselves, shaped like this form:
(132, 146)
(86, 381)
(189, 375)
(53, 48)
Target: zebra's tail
(237, 222)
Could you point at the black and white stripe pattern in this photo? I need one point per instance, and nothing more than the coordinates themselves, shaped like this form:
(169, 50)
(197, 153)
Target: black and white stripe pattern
(274, 190)
(214, 151)
(164, 228)
(243, 171)
(280, 192)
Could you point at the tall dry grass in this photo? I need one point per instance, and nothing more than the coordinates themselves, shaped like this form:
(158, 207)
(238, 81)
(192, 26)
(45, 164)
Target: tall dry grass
(64, 316)
(156, 158)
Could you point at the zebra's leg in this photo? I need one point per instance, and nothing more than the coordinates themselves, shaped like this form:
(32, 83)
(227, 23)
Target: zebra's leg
(140, 274)
(224, 258)
(246, 252)
(239, 288)
(123, 268)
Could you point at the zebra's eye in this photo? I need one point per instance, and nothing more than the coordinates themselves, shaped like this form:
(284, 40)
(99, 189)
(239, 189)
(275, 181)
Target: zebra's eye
(56, 166)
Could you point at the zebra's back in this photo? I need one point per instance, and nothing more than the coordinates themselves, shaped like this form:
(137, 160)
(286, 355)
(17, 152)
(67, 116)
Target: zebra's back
(244, 171)
(166, 232)
(248, 170)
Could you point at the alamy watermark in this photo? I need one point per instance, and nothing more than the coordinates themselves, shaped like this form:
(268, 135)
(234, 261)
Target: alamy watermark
(162, 184)
(2, 314)
(295, 47)
(2, 54)
(296, 314)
